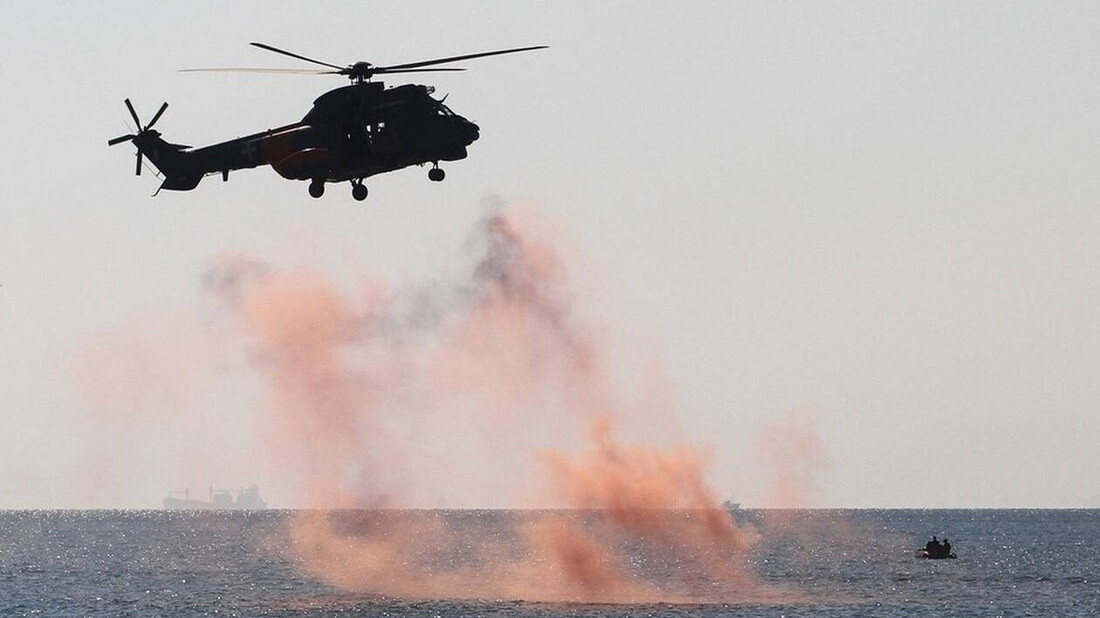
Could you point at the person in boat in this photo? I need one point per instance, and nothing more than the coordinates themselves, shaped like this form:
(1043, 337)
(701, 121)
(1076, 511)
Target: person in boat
(933, 547)
(946, 547)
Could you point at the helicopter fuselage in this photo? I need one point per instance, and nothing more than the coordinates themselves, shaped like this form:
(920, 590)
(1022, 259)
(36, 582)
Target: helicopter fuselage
(351, 133)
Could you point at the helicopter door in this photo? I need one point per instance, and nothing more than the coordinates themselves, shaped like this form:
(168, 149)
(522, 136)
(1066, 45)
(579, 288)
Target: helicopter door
(359, 139)
(379, 138)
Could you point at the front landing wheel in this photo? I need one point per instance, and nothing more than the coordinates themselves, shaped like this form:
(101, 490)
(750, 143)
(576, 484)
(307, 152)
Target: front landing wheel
(317, 188)
(436, 175)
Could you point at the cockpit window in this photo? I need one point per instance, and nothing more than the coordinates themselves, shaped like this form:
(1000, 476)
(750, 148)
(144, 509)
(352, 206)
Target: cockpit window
(442, 110)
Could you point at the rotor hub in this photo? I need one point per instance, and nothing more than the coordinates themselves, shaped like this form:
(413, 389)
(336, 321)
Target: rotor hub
(360, 72)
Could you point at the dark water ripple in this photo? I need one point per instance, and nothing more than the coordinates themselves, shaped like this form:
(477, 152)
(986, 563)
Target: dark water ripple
(842, 563)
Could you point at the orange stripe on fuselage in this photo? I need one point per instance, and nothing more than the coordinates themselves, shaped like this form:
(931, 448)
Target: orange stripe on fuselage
(278, 146)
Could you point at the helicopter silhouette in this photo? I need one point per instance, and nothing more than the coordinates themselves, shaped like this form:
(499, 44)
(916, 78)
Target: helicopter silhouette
(351, 133)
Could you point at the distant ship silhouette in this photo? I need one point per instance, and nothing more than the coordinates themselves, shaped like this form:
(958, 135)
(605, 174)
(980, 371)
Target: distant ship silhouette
(243, 499)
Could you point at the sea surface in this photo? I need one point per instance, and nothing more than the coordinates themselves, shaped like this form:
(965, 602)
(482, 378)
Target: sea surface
(831, 562)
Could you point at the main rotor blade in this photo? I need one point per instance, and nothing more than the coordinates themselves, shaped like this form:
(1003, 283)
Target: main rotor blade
(425, 63)
(120, 139)
(256, 70)
(384, 70)
(293, 55)
(137, 170)
(133, 113)
(156, 116)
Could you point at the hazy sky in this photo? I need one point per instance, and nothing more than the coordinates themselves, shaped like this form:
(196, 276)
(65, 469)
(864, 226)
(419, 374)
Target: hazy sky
(880, 216)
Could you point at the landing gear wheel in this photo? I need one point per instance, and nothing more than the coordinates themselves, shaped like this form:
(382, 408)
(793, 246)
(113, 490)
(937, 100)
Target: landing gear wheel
(359, 191)
(317, 188)
(435, 174)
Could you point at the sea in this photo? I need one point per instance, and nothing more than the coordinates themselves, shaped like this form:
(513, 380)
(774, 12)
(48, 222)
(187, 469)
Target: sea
(830, 563)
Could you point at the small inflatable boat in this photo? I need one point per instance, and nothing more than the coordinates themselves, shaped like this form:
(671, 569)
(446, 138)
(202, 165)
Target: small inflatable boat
(936, 555)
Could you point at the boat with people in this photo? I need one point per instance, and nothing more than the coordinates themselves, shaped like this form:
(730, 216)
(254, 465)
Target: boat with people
(935, 550)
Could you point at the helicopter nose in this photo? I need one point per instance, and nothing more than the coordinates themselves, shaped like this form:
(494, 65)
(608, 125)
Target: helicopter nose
(472, 132)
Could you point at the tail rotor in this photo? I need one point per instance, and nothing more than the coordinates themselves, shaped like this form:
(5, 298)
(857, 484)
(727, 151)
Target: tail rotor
(146, 130)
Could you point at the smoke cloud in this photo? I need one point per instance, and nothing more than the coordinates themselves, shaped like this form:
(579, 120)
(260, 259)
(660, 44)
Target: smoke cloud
(364, 380)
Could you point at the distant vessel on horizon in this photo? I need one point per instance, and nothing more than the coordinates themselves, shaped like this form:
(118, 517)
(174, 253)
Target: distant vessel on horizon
(243, 499)
(730, 505)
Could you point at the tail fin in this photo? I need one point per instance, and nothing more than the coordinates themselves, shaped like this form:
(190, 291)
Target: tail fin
(170, 159)
(167, 158)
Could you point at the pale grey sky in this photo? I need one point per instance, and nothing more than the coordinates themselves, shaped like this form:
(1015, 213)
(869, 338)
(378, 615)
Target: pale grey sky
(882, 215)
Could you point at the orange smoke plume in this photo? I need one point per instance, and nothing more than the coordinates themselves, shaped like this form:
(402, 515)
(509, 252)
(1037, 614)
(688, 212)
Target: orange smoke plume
(658, 502)
(348, 373)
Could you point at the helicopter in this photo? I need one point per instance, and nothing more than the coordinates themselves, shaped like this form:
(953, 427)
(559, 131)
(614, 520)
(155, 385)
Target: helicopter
(351, 133)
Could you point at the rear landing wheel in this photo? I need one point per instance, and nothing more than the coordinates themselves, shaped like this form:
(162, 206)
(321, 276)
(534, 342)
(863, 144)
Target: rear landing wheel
(317, 188)
(435, 174)
(359, 191)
